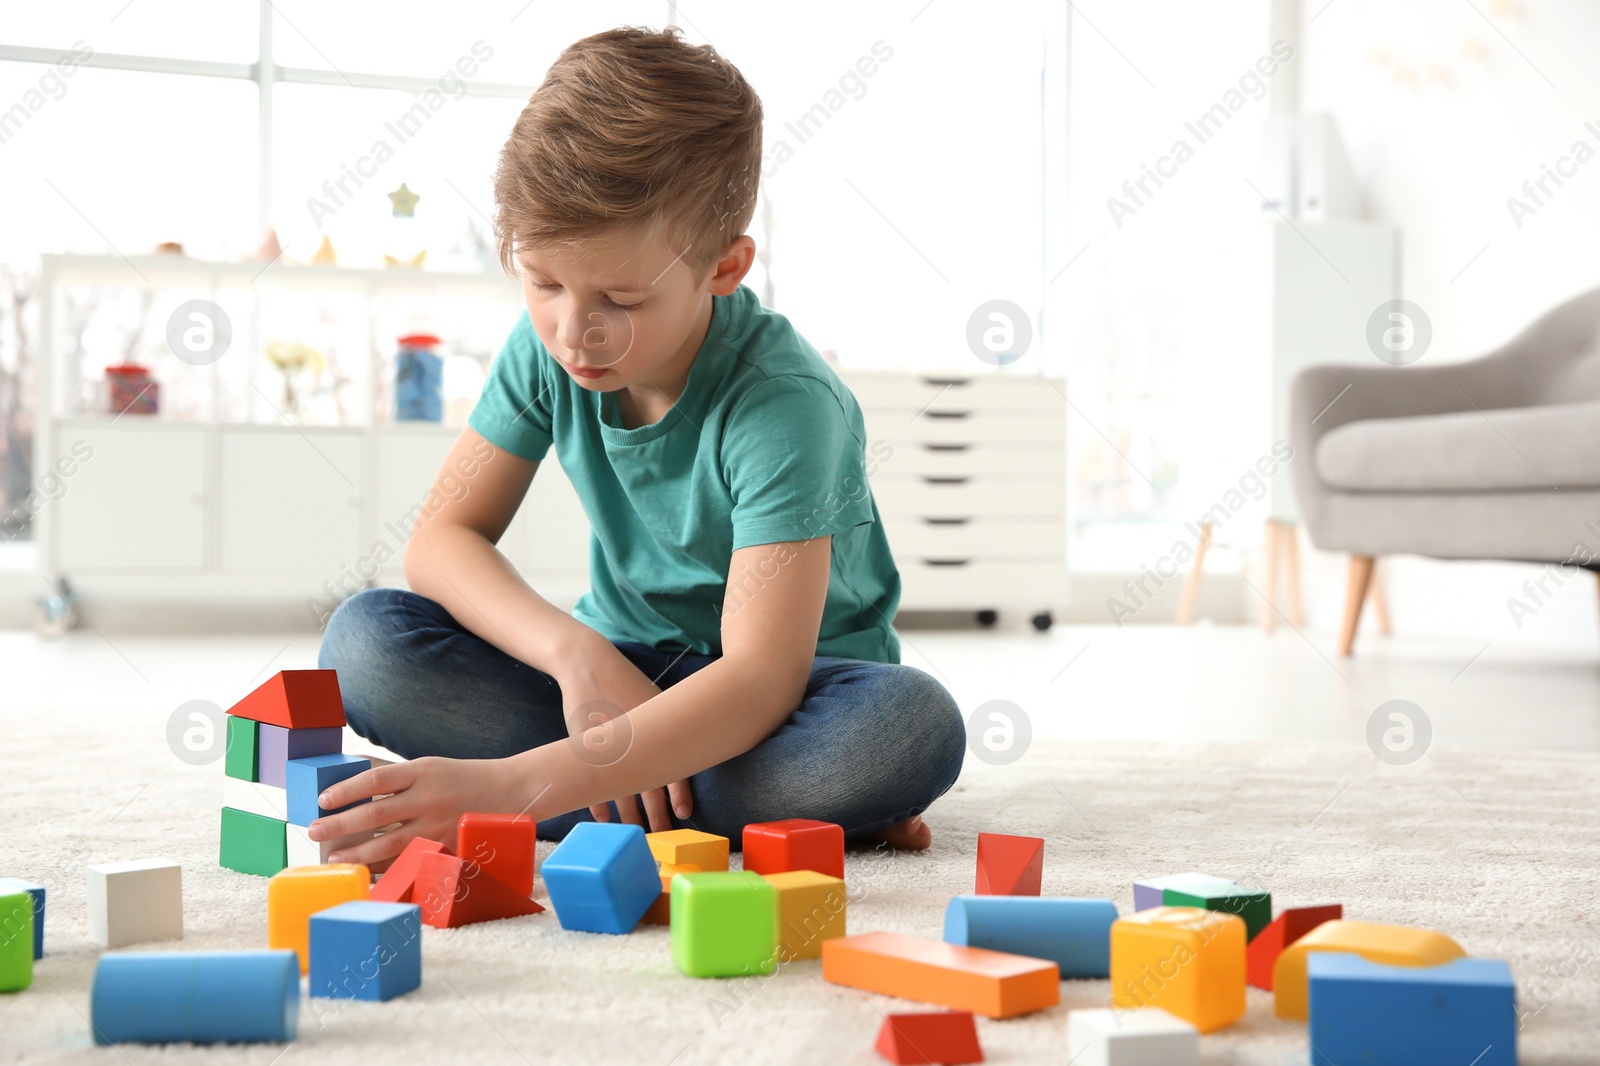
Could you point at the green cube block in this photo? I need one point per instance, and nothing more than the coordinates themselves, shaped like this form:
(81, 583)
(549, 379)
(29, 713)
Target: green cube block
(252, 844)
(240, 760)
(1253, 906)
(724, 923)
(16, 940)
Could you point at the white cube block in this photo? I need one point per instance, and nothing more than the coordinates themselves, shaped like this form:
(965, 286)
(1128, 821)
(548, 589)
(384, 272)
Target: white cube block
(1141, 1036)
(303, 851)
(269, 801)
(132, 902)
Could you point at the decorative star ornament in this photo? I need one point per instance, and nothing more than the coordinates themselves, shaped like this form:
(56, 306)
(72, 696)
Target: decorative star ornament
(405, 201)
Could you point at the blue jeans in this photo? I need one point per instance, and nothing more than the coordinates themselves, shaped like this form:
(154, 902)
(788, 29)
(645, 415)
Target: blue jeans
(869, 745)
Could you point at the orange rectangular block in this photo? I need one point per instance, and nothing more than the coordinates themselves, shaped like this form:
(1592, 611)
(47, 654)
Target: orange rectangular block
(995, 984)
(295, 699)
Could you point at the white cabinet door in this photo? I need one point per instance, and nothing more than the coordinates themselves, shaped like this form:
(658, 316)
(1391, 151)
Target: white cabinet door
(137, 503)
(291, 501)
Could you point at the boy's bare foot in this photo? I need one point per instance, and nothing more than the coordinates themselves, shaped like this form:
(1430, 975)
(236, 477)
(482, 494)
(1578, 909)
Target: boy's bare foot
(912, 834)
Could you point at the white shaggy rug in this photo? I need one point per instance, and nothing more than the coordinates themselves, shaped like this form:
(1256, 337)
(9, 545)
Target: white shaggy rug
(1501, 851)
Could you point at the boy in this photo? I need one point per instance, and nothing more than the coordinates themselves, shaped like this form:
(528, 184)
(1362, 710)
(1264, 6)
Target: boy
(733, 661)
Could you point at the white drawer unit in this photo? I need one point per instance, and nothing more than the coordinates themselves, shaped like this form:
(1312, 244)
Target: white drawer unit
(970, 480)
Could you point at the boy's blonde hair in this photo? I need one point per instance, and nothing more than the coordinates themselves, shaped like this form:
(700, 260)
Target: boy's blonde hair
(632, 127)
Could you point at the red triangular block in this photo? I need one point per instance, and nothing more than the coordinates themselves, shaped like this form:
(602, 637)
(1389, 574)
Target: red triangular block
(295, 699)
(1261, 954)
(453, 892)
(394, 884)
(1009, 865)
(938, 1037)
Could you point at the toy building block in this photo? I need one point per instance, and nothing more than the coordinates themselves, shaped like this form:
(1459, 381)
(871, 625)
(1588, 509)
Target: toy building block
(395, 884)
(995, 984)
(601, 877)
(660, 912)
(689, 847)
(1295, 922)
(239, 760)
(1145, 1036)
(253, 797)
(794, 844)
(303, 851)
(198, 997)
(948, 1036)
(1392, 945)
(1075, 934)
(252, 844)
(1254, 906)
(306, 778)
(132, 902)
(366, 950)
(37, 892)
(278, 745)
(811, 909)
(1185, 960)
(295, 699)
(502, 844)
(1009, 865)
(1151, 892)
(724, 923)
(297, 893)
(1361, 1011)
(453, 892)
(16, 939)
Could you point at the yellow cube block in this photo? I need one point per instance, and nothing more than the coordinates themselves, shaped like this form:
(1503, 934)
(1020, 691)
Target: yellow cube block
(295, 894)
(689, 847)
(1391, 945)
(1187, 961)
(811, 909)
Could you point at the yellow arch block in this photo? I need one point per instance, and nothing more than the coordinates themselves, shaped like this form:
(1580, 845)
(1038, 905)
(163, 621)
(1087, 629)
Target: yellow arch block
(1188, 961)
(1392, 945)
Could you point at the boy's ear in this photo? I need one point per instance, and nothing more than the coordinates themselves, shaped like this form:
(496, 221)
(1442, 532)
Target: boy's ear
(735, 263)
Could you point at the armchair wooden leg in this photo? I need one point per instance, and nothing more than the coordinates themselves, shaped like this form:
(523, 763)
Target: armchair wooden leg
(1380, 603)
(1355, 594)
(1272, 549)
(1291, 553)
(1191, 583)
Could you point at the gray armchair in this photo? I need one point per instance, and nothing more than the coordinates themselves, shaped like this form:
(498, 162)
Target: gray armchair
(1492, 458)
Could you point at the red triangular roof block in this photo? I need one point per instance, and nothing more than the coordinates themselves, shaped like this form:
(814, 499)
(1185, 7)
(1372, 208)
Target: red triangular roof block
(295, 699)
(1009, 865)
(1261, 954)
(935, 1037)
(453, 892)
(394, 884)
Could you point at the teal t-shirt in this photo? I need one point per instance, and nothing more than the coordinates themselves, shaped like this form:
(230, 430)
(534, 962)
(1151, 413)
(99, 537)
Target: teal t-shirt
(765, 444)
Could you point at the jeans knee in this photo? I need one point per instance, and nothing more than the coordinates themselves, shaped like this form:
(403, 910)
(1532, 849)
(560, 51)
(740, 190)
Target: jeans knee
(355, 643)
(932, 716)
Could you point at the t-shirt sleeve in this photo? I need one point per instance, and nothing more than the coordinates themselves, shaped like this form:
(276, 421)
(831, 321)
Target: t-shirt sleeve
(794, 463)
(513, 411)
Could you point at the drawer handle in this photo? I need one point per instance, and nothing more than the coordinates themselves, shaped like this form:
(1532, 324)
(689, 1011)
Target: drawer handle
(935, 479)
(947, 521)
(945, 447)
(932, 380)
(946, 562)
(948, 414)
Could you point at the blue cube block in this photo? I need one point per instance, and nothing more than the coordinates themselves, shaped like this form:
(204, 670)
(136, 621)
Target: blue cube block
(1365, 1012)
(306, 778)
(12, 884)
(1075, 934)
(366, 950)
(602, 877)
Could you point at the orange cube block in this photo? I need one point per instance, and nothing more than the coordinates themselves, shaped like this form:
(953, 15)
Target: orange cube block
(502, 844)
(1186, 960)
(794, 844)
(660, 912)
(1261, 955)
(995, 984)
(1391, 945)
(923, 1039)
(395, 884)
(689, 847)
(1009, 865)
(295, 894)
(811, 910)
(453, 892)
(295, 699)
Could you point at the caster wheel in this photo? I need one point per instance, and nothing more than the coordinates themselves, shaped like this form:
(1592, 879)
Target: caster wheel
(1043, 621)
(988, 618)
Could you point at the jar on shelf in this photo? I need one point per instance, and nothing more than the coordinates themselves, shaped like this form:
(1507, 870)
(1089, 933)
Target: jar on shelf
(419, 379)
(131, 390)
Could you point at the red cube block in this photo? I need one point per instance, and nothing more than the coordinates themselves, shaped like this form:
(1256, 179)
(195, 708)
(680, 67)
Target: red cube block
(936, 1037)
(500, 843)
(1009, 865)
(794, 844)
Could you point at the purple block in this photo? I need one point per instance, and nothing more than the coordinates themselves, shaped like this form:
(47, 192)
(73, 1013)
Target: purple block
(1149, 893)
(277, 745)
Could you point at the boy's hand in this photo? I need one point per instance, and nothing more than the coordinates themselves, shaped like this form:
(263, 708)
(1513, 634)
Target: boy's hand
(427, 797)
(598, 688)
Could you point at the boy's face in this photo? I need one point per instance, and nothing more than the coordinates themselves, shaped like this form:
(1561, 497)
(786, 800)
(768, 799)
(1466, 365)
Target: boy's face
(620, 310)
